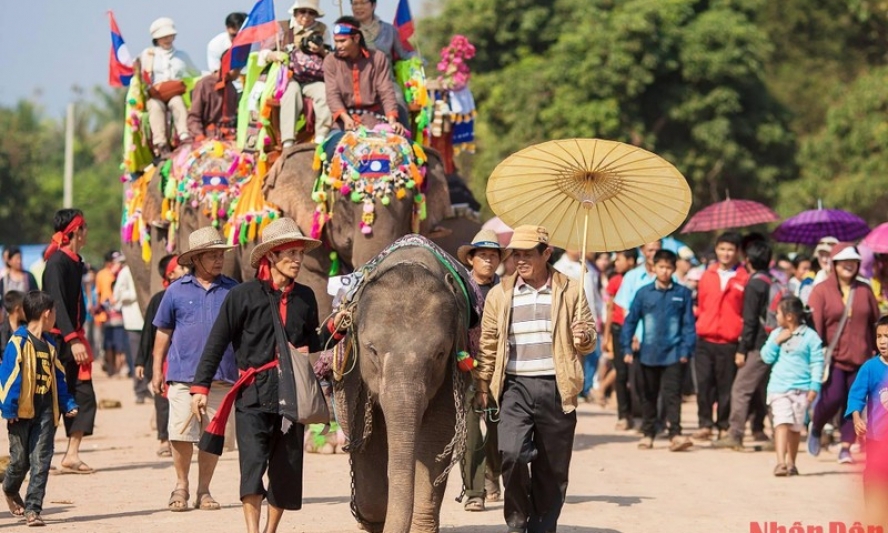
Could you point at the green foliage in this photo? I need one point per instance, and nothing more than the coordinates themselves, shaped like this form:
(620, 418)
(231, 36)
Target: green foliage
(32, 165)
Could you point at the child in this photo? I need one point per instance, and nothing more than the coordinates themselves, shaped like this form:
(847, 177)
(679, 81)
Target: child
(666, 309)
(15, 316)
(32, 391)
(870, 391)
(796, 353)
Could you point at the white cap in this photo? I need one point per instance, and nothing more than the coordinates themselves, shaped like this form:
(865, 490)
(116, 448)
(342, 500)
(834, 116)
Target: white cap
(314, 5)
(162, 27)
(826, 245)
(847, 254)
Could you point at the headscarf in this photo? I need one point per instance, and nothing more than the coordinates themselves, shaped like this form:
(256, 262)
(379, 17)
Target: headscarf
(174, 262)
(63, 238)
(264, 271)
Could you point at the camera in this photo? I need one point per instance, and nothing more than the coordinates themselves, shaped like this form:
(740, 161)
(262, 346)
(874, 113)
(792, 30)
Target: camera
(315, 38)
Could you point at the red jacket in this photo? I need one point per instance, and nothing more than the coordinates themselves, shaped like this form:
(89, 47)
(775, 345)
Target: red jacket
(720, 313)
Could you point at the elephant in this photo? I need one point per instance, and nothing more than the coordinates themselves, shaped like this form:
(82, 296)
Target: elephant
(401, 403)
(288, 186)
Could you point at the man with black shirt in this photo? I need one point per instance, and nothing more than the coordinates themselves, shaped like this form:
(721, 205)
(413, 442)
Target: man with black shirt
(753, 372)
(246, 321)
(63, 280)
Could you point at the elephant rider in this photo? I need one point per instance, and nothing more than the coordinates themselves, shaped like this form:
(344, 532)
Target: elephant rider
(222, 42)
(213, 113)
(246, 321)
(482, 467)
(535, 331)
(360, 90)
(164, 68)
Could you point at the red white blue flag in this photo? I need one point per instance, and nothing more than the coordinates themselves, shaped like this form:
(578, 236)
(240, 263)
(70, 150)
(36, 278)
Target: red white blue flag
(120, 64)
(404, 24)
(259, 26)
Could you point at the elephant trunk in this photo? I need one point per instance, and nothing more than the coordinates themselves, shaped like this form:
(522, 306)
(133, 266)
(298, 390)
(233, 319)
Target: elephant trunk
(403, 408)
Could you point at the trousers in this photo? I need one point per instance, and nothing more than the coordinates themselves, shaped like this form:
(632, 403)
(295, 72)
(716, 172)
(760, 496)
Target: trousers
(291, 108)
(716, 370)
(536, 441)
(747, 387)
(157, 118)
(482, 452)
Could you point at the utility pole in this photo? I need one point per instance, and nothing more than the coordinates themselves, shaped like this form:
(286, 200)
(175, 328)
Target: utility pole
(68, 199)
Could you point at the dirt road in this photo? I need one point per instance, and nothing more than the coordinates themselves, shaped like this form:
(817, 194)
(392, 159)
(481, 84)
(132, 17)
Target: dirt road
(614, 488)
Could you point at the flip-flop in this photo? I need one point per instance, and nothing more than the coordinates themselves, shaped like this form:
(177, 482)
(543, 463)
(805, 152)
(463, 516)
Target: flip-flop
(33, 519)
(15, 503)
(178, 501)
(205, 502)
(77, 468)
(164, 451)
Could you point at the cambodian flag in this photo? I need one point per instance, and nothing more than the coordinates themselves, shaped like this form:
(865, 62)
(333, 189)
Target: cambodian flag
(404, 24)
(259, 26)
(120, 64)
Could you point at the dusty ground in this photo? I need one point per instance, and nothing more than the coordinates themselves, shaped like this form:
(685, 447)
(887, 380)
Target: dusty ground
(613, 486)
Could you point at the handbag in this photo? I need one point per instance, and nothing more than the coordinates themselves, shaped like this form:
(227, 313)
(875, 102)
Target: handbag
(301, 399)
(167, 90)
(827, 355)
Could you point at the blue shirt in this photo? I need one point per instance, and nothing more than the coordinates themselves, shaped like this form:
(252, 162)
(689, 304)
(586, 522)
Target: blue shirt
(668, 318)
(870, 390)
(190, 311)
(797, 363)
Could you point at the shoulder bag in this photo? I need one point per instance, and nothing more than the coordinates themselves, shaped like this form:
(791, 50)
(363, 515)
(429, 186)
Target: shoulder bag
(301, 399)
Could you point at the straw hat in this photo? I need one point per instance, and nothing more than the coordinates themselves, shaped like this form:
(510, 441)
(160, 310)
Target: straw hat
(281, 231)
(203, 240)
(528, 237)
(314, 5)
(486, 238)
(162, 27)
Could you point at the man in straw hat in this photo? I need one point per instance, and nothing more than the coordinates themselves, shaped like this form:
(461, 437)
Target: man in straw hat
(535, 330)
(483, 468)
(186, 313)
(247, 322)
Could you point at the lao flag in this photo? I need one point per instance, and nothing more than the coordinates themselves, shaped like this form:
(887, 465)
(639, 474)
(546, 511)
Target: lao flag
(259, 26)
(120, 64)
(404, 24)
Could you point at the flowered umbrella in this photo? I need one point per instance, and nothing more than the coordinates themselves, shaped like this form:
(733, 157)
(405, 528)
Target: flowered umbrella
(877, 240)
(730, 214)
(808, 227)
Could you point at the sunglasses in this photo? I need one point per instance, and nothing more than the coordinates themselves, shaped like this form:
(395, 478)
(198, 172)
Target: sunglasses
(311, 12)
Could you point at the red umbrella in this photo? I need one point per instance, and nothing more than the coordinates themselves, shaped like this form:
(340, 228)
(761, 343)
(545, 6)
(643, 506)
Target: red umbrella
(730, 214)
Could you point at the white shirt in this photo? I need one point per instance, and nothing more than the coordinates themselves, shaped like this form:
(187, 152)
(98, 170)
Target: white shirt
(725, 275)
(125, 295)
(215, 49)
(168, 65)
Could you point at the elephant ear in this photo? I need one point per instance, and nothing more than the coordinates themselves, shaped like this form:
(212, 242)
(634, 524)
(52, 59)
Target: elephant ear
(438, 205)
(289, 182)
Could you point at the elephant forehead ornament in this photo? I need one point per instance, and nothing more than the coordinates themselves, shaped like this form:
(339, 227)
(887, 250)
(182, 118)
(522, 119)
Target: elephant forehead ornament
(369, 166)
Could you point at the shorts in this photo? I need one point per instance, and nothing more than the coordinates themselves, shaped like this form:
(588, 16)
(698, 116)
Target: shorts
(789, 408)
(179, 396)
(115, 339)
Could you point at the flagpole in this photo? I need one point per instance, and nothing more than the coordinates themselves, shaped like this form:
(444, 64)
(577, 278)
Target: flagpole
(68, 184)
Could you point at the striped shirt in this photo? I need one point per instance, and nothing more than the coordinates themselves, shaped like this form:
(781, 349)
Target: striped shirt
(530, 333)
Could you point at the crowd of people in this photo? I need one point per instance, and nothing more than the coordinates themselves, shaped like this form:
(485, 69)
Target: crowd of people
(754, 338)
(345, 71)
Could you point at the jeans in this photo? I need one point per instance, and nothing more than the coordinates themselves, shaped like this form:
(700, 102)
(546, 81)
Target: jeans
(590, 367)
(31, 448)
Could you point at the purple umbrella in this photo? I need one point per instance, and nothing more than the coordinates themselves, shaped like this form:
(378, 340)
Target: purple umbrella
(808, 227)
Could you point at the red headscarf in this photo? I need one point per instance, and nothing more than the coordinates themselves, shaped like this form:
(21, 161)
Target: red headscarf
(63, 238)
(174, 262)
(264, 271)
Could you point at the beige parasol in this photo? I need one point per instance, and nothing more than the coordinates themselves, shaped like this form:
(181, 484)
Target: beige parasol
(590, 194)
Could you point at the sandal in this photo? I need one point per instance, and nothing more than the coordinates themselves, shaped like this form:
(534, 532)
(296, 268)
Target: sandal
(474, 504)
(15, 503)
(781, 470)
(205, 502)
(77, 468)
(33, 519)
(178, 501)
(164, 451)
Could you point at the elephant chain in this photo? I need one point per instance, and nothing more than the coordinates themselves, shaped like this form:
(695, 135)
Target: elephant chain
(456, 449)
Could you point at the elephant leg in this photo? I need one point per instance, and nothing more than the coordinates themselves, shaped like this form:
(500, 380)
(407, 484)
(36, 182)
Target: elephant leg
(371, 476)
(434, 435)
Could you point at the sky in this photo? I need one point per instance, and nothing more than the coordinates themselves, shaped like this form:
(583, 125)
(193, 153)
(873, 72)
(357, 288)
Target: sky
(49, 46)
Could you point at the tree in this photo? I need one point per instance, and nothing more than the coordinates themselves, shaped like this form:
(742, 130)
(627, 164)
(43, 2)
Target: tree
(846, 164)
(683, 78)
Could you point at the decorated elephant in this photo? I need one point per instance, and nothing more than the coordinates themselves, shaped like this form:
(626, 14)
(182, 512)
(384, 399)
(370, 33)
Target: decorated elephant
(286, 189)
(400, 392)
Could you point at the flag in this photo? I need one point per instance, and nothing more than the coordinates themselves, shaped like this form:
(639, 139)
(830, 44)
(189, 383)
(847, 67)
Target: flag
(259, 26)
(120, 64)
(404, 24)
